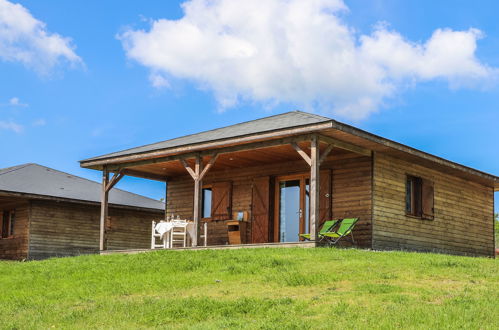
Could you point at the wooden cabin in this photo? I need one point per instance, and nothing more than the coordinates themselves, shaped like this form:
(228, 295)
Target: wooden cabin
(48, 213)
(286, 174)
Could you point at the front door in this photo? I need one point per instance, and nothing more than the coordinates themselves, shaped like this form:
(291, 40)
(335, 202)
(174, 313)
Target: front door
(292, 213)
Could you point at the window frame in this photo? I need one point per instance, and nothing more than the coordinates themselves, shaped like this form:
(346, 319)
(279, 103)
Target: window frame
(417, 200)
(8, 229)
(206, 187)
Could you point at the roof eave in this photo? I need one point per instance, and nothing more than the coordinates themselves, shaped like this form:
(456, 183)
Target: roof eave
(98, 163)
(410, 150)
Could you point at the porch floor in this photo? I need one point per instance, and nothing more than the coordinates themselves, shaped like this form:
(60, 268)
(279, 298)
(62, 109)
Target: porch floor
(218, 247)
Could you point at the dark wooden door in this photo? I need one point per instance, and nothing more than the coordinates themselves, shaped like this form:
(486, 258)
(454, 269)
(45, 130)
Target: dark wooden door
(260, 210)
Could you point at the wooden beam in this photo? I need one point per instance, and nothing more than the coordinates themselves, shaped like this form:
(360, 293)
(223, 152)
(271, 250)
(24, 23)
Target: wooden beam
(145, 175)
(325, 153)
(314, 188)
(345, 145)
(189, 169)
(198, 184)
(104, 209)
(302, 153)
(114, 180)
(191, 155)
(208, 166)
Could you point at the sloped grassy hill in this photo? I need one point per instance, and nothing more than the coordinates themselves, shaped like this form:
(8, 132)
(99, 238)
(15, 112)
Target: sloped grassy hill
(252, 288)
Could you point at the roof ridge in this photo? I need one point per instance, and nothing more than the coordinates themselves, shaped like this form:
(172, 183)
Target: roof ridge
(310, 114)
(13, 168)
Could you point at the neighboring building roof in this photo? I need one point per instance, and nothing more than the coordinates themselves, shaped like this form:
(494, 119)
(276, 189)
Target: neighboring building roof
(267, 124)
(34, 179)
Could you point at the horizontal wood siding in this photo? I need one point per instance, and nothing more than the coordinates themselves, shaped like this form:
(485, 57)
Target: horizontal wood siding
(68, 229)
(352, 187)
(463, 212)
(16, 247)
(351, 192)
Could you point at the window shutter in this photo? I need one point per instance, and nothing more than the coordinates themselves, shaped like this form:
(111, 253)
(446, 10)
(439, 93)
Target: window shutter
(427, 194)
(5, 224)
(260, 210)
(2, 220)
(221, 201)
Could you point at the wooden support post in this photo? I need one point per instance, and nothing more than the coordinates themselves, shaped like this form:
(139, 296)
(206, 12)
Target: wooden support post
(198, 184)
(197, 174)
(166, 199)
(104, 209)
(314, 188)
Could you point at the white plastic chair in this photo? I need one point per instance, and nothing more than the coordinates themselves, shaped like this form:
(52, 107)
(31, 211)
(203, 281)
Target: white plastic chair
(155, 235)
(178, 233)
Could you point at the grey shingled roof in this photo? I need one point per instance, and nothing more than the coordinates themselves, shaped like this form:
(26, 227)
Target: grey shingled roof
(40, 180)
(267, 124)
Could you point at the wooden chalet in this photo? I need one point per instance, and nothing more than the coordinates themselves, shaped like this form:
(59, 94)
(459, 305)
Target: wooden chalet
(48, 213)
(284, 175)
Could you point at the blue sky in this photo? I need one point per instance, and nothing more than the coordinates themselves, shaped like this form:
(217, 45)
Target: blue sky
(110, 91)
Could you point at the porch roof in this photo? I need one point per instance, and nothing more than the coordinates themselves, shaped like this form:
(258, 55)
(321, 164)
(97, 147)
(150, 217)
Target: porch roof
(270, 129)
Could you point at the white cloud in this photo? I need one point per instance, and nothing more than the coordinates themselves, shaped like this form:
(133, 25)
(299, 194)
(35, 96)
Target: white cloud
(16, 102)
(25, 39)
(158, 80)
(300, 52)
(39, 122)
(11, 126)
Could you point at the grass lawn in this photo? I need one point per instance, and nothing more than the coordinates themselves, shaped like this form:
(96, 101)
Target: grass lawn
(252, 288)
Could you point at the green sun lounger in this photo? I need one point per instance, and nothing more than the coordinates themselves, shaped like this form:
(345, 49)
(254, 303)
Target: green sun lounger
(327, 226)
(344, 229)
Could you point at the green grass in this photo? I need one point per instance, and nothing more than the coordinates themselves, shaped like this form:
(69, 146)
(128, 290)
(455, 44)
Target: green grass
(252, 288)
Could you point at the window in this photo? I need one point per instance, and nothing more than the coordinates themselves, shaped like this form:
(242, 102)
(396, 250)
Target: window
(413, 196)
(206, 203)
(216, 201)
(419, 199)
(8, 222)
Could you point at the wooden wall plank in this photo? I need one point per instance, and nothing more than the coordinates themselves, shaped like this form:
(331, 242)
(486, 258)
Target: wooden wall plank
(351, 190)
(16, 247)
(68, 229)
(463, 212)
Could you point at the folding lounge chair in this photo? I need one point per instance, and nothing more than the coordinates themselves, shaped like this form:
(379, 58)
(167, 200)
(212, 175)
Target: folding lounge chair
(327, 226)
(345, 228)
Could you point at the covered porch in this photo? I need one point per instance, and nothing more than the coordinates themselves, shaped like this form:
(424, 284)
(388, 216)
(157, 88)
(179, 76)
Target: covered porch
(260, 190)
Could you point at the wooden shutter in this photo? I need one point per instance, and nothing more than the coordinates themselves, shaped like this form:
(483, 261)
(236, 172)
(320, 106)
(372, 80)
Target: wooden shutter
(325, 196)
(427, 199)
(5, 224)
(260, 210)
(221, 196)
(2, 221)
